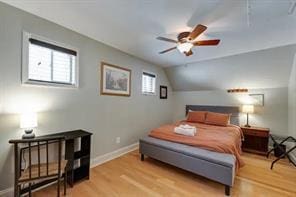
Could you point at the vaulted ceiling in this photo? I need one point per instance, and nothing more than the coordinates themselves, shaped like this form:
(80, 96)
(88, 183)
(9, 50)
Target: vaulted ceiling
(269, 68)
(258, 37)
(132, 25)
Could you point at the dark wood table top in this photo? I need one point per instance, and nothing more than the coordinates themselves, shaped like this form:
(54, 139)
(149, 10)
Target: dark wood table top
(66, 135)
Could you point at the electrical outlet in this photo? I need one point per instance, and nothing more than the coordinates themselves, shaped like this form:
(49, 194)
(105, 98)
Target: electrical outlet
(117, 140)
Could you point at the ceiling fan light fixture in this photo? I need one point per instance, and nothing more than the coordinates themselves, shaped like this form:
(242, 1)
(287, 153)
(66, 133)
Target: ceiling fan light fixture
(185, 47)
(185, 41)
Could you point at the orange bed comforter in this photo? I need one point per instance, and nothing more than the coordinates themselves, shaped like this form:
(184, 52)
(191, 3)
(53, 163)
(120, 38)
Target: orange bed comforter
(215, 138)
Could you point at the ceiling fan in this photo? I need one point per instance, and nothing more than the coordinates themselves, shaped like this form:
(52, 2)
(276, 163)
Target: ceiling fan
(186, 41)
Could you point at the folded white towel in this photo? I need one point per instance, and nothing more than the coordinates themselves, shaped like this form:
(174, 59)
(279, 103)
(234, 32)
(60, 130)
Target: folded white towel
(185, 131)
(186, 126)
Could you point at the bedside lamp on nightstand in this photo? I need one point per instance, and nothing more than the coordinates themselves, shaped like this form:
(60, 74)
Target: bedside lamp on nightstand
(28, 121)
(248, 109)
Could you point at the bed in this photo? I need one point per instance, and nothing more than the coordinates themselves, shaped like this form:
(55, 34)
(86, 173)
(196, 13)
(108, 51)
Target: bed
(216, 166)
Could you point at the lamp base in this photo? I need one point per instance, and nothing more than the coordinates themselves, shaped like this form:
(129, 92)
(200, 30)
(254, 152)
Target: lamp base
(247, 125)
(28, 134)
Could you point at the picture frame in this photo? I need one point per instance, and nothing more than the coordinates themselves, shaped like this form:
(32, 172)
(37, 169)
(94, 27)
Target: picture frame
(115, 80)
(258, 99)
(163, 92)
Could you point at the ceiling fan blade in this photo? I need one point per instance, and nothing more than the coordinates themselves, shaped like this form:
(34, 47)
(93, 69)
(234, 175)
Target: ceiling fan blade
(166, 39)
(197, 31)
(162, 52)
(188, 53)
(206, 43)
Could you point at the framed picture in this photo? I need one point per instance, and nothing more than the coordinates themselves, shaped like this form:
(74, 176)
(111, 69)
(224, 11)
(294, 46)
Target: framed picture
(115, 80)
(258, 99)
(163, 92)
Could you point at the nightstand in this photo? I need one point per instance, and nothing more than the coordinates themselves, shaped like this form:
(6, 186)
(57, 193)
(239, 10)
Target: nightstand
(256, 140)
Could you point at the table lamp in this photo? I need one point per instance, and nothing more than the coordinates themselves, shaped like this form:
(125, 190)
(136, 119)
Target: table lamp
(248, 109)
(28, 121)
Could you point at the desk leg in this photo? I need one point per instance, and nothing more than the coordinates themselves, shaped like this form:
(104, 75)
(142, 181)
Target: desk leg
(69, 155)
(16, 171)
(72, 174)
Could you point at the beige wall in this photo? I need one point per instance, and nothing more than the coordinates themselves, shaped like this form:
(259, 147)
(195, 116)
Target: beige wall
(273, 115)
(60, 109)
(292, 106)
(292, 100)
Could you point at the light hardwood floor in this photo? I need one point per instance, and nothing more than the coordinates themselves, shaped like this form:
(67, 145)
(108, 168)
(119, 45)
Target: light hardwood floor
(128, 176)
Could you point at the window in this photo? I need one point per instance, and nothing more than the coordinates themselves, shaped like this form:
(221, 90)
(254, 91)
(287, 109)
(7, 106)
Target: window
(48, 63)
(148, 83)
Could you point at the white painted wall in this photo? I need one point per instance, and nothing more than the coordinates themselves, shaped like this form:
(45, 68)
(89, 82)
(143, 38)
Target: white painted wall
(292, 105)
(292, 100)
(60, 109)
(273, 115)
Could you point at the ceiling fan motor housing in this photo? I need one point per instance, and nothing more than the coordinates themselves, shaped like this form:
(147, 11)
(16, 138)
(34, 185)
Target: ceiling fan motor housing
(182, 37)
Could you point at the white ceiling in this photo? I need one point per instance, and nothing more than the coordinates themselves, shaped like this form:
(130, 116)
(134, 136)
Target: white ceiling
(133, 25)
(269, 68)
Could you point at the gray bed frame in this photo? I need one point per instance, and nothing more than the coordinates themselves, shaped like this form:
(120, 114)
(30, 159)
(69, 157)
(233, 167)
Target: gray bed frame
(215, 166)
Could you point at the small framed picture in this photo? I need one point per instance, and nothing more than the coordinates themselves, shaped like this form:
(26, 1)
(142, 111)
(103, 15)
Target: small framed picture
(115, 80)
(163, 94)
(258, 99)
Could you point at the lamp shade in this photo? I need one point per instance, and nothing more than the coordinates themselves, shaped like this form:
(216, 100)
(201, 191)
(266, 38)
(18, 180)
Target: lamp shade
(28, 120)
(248, 109)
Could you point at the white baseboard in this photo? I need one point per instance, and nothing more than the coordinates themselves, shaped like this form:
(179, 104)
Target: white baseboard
(94, 162)
(112, 155)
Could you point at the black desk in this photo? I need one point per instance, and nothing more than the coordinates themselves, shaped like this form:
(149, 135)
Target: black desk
(81, 172)
(83, 154)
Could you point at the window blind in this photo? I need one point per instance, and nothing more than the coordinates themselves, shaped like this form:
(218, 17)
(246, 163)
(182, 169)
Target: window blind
(51, 63)
(148, 83)
(52, 46)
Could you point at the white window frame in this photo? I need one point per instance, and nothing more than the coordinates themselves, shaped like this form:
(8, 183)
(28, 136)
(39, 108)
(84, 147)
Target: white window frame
(25, 62)
(148, 93)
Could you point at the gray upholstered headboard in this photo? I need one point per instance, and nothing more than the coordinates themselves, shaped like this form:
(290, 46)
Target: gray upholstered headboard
(233, 110)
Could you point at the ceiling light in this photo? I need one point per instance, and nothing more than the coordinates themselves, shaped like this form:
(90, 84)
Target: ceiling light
(185, 47)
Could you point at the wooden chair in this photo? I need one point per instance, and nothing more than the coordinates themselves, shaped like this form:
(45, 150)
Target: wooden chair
(38, 172)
